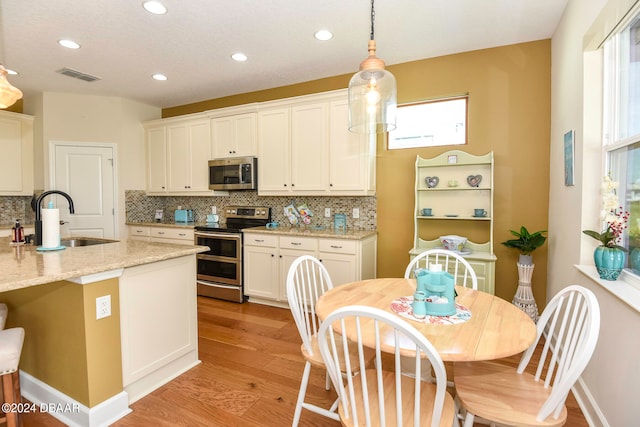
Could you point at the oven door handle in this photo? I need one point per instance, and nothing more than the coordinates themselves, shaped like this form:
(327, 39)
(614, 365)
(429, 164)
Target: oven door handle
(226, 236)
(216, 285)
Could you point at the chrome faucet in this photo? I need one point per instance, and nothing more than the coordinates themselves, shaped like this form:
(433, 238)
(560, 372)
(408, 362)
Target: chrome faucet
(38, 223)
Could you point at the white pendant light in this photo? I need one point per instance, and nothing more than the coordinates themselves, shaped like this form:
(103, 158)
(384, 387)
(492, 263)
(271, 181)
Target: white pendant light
(8, 94)
(372, 94)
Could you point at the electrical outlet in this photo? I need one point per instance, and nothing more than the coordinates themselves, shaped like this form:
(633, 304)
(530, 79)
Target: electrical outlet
(356, 213)
(103, 306)
(327, 212)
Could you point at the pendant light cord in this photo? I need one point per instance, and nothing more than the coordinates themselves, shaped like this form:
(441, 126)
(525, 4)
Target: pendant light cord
(373, 15)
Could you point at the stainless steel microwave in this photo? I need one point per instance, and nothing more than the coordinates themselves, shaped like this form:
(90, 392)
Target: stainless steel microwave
(235, 173)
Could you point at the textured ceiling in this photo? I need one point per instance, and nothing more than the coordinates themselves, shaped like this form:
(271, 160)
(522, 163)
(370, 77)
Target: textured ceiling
(124, 45)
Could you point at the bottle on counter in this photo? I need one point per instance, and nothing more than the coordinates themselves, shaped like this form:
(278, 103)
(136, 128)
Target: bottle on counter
(17, 232)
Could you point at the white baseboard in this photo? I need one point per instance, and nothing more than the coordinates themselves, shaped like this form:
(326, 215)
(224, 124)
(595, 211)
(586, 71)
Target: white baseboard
(140, 388)
(69, 411)
(590, 409)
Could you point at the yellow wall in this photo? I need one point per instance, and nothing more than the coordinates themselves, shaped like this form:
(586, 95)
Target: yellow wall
(509, 112)
(83, 355)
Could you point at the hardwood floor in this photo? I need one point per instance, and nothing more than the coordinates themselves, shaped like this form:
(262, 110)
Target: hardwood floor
(249, 376)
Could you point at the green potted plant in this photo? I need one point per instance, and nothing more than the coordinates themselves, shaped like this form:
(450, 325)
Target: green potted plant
(526, 243)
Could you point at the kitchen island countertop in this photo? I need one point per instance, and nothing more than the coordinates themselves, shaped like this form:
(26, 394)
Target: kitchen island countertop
(350, 234)
(23, 266)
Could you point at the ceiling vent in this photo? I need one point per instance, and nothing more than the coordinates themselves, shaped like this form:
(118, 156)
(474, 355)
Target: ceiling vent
(77, 74)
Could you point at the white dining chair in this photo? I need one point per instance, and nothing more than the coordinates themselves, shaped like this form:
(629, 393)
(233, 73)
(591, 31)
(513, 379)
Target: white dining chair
(307, 280)
(497, 393)
(452, 262)
(11, 341)
(382, 395)
(4, 312)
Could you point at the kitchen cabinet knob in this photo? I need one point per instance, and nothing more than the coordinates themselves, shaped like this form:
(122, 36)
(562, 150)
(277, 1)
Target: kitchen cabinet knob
(285, 185)
(330, 185)
(292, 185)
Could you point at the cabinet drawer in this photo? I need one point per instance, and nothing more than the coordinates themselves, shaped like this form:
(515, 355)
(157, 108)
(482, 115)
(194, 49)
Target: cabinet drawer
(139, 231)
(340, 246)
(172, 233)
(268, 241)
(301, 243)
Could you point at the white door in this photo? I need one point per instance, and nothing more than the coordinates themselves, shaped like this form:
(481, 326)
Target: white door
(86, 173)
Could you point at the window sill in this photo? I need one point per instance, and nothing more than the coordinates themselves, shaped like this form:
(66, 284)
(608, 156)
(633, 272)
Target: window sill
(626, 288)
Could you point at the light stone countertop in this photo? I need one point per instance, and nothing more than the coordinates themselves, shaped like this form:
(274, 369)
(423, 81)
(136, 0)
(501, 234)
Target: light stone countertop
(23, 266)
(349, 234)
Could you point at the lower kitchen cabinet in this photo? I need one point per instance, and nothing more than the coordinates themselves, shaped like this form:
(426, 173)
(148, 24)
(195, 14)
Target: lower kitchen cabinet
(158, 323)
(162, 234)
(267, 258)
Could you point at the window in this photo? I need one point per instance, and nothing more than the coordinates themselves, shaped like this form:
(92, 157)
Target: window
(621, 142)
(430, 124)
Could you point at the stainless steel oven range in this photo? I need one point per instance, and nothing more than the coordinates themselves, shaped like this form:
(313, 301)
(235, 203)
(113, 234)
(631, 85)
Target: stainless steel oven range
(219, 273)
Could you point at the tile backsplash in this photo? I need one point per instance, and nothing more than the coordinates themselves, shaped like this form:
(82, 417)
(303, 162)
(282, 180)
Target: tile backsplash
(141, 208)
(16, 207)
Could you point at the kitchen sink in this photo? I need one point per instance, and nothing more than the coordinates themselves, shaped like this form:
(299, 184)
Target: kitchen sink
(84, 241)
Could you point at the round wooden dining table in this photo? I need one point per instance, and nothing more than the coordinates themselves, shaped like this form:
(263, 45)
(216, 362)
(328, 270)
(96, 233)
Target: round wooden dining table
(496, 328)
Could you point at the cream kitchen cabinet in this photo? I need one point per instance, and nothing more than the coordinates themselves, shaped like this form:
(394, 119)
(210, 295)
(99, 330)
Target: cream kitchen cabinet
(268, 257)
(351, 155)
(140, 232)
(261, 265)
(162, 234)
(234, 135)
(16, 162)
(177, 156)
(156, 159)
(305, 148)
(274, 158)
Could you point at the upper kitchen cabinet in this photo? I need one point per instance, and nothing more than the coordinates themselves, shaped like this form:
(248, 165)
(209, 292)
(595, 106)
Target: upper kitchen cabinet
(16, 163)
(351, 156)
(234, 132)
(177, 156)
(305, 148)
(292, 150)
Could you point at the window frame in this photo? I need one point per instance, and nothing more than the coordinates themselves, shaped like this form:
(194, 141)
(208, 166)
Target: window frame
(615, 82)
(464, 97)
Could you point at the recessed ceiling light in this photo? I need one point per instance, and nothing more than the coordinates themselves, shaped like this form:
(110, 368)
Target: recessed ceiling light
(154, 7)
(240, 57)
(323, 35)
(69, 44)
(160, 77)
